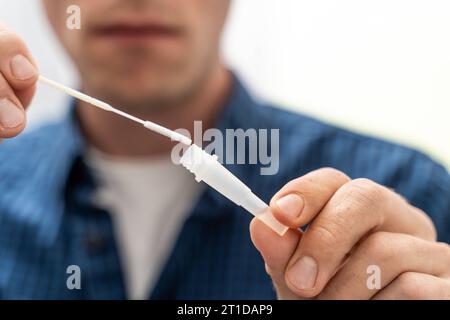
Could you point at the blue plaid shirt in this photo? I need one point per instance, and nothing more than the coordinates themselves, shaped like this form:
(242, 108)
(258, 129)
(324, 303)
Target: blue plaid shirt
(48, 220)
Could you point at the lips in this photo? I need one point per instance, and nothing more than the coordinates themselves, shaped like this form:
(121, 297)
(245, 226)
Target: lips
(135, 32)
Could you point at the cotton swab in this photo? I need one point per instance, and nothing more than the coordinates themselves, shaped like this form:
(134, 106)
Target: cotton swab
(175, 136)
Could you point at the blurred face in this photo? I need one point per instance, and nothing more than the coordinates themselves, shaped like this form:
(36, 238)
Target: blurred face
(142, 53)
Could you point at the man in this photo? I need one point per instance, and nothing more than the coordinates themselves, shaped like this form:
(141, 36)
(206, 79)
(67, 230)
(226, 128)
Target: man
(97, 197)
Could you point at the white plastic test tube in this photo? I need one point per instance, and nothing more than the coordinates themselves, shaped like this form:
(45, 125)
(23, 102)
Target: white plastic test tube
(206, 168)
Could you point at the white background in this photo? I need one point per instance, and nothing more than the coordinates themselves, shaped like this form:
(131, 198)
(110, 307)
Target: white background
(379, 67)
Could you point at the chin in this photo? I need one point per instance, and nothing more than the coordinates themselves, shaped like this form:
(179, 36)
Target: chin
(139, 99)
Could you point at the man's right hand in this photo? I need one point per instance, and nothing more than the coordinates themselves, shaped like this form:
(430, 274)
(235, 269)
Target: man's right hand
(18, 76)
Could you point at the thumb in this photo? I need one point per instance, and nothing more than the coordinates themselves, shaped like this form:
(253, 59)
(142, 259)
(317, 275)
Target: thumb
(276, 251)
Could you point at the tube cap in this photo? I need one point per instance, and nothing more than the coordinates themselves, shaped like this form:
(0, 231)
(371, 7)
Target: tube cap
(207, 168)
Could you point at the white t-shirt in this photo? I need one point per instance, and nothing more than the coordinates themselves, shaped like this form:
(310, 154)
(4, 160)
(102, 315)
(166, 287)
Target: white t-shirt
(149, 200)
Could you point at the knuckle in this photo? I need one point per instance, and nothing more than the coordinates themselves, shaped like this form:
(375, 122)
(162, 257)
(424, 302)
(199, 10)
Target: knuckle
(327, 234)
(410, 285)
(364, 192)
(428, 230)
(383, 246)
(386, 247)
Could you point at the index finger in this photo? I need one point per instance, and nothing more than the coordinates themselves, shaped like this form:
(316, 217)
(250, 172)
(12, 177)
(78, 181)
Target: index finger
(300, 200)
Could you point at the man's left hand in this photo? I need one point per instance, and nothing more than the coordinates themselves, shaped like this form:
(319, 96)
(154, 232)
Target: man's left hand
(352, 225)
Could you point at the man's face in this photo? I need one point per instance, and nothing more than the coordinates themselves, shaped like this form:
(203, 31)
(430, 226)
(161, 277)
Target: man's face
(142, 52)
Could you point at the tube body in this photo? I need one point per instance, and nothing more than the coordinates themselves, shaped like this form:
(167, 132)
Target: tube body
(206, 168)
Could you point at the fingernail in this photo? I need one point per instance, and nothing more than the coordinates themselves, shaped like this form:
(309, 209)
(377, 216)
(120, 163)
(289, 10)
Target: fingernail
(22, 68)
(303, 273)
(10, 115)
(291, 205)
